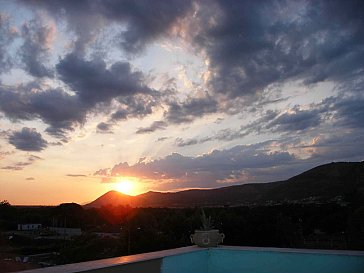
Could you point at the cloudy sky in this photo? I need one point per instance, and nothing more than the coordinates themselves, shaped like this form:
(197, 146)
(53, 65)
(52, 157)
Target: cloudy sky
(174, 94)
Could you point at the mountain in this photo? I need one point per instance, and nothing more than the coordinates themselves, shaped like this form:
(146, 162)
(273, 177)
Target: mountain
(334, 181)
(111, 197)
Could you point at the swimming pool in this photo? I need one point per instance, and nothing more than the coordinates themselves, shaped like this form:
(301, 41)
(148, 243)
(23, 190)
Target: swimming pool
(264, 260)
(223, 259)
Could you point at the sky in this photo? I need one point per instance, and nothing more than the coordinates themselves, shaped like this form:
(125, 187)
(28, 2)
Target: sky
(170, 95)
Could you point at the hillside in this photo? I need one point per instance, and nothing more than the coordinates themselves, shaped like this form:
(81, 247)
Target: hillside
(343, 180)
(111, 197)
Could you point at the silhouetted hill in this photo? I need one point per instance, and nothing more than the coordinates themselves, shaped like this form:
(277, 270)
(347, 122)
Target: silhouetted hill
(339, 182)
(110, 198)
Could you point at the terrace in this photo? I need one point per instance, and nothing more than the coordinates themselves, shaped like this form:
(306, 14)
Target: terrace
(224, 259)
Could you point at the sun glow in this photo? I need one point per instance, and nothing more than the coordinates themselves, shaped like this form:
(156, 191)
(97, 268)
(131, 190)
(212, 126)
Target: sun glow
(126, 186)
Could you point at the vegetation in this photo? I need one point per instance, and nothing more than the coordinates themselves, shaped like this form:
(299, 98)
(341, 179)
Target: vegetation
(121, 230)
(206, 221)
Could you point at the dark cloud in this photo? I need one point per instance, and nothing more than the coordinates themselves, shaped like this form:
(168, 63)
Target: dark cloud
(7, 36)
(222, 135)
(206, 170)
(262, 162)
(82, 18)
(144, 20)
(186, 142)
(156, 125)
(339, 112)
(229, 134)
(34, 51)
(291, 121)
(137, 106)
(104, 128)
(182, 112)
(338, 146)
(334, 111)
(192, 141)
(93, 82)
(190, 109)
(58, 108)
(55, 107)
(346, 112)
(28, 139)
(251, 45)
(30, 178)
(94, 85)
(295, 120)
(248, 47)
(121, 114)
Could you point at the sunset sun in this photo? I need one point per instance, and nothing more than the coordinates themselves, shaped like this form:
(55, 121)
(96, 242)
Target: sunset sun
(126, 186)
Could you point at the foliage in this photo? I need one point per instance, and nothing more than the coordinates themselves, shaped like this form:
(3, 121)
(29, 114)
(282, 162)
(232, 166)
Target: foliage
(138, 230)
(88, 247)
(206, 221)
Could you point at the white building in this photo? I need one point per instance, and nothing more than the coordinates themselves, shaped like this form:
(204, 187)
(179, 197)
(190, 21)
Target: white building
(26, 227)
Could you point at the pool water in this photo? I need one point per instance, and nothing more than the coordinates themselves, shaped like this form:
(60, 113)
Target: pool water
(234, 260)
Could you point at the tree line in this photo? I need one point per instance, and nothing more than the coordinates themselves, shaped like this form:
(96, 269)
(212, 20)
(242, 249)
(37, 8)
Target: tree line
(138, 230)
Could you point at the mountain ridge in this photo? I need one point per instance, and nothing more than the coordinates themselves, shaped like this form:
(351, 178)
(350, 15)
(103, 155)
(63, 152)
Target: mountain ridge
(343, 180)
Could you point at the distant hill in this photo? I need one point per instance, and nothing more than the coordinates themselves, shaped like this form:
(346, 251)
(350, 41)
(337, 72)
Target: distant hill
(110, 198)
(342, 181)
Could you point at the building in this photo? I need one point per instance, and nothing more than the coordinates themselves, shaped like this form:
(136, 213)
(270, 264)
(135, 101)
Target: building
(29, 227)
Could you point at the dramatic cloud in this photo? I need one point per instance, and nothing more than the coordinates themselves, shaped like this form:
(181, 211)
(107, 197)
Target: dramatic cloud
(34, 51)
(7, 35)
(251, 45)
(182, 112)
(347, 112)
(285, 77)
(334, 111)
(28, 139)
(144, 20)
(262, 162)
(191, 109)
(136, 106)
(55, 107)
(342, 146)
(93, 82)
(295, 120)
(209, 169)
